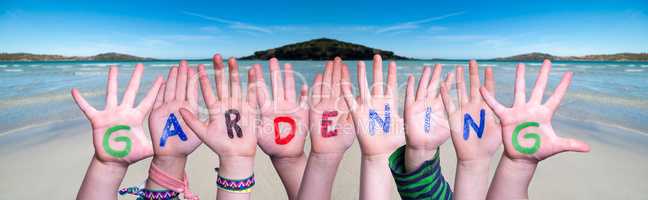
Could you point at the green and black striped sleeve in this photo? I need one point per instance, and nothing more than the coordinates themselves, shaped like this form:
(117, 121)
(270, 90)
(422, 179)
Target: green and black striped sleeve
(426, 182)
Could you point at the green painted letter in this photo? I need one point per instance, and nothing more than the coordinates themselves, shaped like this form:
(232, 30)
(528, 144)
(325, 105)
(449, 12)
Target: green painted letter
(534, 136)
(106, 142)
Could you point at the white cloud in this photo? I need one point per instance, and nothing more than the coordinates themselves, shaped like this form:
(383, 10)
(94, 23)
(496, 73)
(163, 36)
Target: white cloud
(232, 24)
(415, 24)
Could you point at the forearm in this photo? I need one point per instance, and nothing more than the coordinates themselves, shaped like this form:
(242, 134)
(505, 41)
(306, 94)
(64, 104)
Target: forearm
(375, 178)
(234, 167)
(101, 181)
(424, 182)
(414, 158)
(171, 165)
(512, 179)
(471, 180)
(319, 175)
(290, 170)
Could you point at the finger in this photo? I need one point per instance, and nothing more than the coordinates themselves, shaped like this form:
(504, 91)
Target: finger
(559, 92)
(421, 92)
(111, 90)
(491, 101)
(377, 87)
(409, 93)
(87, 109)
(234, 79)
(181, 84)
(133, 86)
(337, 75)
(146, 104)
(194, 123)
(327, 83)
(205, 87)
(317, 92)
(219, 72)
(435, 82)
(169, 93)
(289, 84)
(392, 80)
(347, 89)
(473, 69)
(159, 98)
(489, 80)
(192, 88)
(541, 83)
(303, 96)
(445, 93)
(251, 89)
(520, 86)
(263, 95)
(363, 86)
(461, 85)
(567, 144)
(275, 79)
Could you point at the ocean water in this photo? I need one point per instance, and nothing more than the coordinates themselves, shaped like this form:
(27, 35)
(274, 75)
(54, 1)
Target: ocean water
(613, 95)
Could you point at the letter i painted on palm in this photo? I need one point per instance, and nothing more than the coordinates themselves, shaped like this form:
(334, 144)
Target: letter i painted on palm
(327, 122)
(232, 123)
(469, 122)
(374, 119)
(291, 133)
(172, 122)
(428, 116)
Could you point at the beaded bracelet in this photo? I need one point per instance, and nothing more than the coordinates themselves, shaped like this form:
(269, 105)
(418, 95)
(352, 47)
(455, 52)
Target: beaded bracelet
(234, 185)
(147, 194)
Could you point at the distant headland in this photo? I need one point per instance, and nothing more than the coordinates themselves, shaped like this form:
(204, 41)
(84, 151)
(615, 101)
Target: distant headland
(324, 49)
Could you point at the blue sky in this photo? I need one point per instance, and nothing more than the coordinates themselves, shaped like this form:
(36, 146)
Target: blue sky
(425, 29)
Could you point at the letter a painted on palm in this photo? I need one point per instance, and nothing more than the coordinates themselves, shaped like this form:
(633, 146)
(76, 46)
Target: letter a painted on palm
(172, 122)
(469, 122)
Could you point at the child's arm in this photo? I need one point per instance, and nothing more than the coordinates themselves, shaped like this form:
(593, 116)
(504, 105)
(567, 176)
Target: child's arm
(476, 134)
(331, 133)
(284, 124)
(377, 126)
(230, 131)
(415, 167)
(527, 134)
(118, 135)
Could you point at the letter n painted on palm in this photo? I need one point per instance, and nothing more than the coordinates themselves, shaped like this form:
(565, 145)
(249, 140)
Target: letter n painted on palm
(374, 119)
(327, 122)
(469, 122)
(172, 122)
(277, 131)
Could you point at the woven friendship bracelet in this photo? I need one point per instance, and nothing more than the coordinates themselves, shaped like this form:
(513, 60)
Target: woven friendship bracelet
(237, 186)
(145, 194)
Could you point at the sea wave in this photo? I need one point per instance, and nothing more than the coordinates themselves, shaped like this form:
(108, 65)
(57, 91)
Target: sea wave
(3, 66)
(644, 66)
(99, 64)
(609, 100)
(43, 98)
(89, 73)
(13, 70)
(633, 70)
(161, 65)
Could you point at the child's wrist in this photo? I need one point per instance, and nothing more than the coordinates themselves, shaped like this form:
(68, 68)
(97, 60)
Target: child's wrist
(415, 157)
(288, 159)
(173, 166)
(109, 169)
(236, 167)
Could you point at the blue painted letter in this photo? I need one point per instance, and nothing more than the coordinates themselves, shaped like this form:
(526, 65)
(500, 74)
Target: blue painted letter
(426, 123)
(177, 130)
(468, 122)
(374, 118)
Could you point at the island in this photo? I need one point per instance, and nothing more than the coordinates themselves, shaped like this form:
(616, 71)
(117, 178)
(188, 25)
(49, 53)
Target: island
(322, 49)
(44, 57)
(536, 56)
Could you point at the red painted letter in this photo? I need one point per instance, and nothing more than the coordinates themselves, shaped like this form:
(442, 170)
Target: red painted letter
(291, 133)
(326, 123)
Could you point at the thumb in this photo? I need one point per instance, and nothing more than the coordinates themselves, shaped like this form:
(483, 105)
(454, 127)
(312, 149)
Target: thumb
(194, 123)
(568, 144)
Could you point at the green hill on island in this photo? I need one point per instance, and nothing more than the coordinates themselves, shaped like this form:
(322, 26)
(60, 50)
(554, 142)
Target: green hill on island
(602, 57)
(43, 57)
(322, 49)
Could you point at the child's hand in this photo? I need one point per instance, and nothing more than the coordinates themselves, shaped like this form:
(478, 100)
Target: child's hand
(118, 134)
(284, 119)
(528, 134)
(375, 115)
(476, 133)
(230, 130)
(179, 91)
(426, 124)
(332, 125)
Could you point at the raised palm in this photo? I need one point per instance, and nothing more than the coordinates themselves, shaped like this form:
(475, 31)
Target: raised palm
(528, 133)
(238, 138)
(117, 131)
(426, 124)
(281, 112)
(468, 142)
(180, 91)
(332, 125)
(379, 133)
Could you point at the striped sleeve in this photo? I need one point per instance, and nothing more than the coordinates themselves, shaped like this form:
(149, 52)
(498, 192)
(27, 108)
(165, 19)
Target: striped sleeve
(426, 182)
